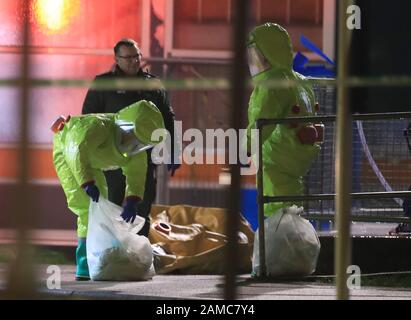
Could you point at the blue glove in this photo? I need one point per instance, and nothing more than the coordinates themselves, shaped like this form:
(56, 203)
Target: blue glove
(92, 191)
(130, 209)
(173, 167)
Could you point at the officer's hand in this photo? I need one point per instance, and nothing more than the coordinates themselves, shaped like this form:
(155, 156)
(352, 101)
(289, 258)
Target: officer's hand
(130, 209)
(173, 167)
(92, 191)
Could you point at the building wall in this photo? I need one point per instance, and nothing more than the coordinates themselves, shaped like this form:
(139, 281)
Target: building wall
(73, 39)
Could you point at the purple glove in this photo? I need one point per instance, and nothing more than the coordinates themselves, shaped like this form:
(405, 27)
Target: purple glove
(130, 209)
(91, 190)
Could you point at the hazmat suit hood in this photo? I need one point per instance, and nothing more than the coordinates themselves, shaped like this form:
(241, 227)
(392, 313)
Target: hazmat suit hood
(143, 117)
(269, 47)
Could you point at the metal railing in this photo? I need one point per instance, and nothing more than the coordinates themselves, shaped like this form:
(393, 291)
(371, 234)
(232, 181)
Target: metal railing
(262, 199)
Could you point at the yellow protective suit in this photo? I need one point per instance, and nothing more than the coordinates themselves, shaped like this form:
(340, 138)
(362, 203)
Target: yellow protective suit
(88, 144)
(288, 149)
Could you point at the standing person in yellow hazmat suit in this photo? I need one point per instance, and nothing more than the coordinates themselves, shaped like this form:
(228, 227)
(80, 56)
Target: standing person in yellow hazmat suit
(288, 149)
(84, 146)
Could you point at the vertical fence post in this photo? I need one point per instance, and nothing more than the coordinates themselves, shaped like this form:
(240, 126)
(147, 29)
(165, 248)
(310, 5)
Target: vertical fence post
(238, 105)
(20, 284)
(343, 160)
(260, 200)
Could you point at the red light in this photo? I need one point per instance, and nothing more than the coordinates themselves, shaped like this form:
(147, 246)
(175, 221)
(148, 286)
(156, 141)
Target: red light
(54, 16)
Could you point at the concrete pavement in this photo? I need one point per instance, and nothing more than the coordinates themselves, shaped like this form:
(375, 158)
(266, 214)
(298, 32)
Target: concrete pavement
(209, 287)
(369, 253)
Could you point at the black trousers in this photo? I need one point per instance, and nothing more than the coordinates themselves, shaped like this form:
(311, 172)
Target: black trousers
(116, 183)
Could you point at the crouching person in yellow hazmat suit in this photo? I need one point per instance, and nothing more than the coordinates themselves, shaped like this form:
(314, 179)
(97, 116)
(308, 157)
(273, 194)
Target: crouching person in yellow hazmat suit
(84, 146)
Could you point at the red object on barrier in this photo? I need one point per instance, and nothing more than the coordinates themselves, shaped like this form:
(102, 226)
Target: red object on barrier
(162, 227)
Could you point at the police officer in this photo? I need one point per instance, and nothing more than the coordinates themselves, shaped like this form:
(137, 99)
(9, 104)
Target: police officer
(127, 56)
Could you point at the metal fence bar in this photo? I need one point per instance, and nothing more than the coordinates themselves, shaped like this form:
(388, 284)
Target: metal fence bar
(238, 91)
(21, 277)
(355, 117)
(356, 218)
(331, 196)
(343, 161)
(188, 83)
(260, 203)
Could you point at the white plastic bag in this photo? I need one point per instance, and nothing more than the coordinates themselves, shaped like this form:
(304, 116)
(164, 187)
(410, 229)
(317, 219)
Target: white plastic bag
(114, 250)
(292, 246)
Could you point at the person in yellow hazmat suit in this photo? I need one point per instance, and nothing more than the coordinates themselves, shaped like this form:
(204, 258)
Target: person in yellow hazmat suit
(288, 149)
(83, 146)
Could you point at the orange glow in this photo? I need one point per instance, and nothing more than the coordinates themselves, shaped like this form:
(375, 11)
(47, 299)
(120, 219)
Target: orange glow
(54, 16)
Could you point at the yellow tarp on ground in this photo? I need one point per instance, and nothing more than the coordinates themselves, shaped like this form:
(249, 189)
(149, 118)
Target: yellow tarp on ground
(197, 240)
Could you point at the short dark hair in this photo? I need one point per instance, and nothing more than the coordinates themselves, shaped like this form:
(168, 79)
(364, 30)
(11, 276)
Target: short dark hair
(125, 42)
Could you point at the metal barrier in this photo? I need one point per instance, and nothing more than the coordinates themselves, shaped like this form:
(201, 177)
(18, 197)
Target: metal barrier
(380, 158)
(262, 199)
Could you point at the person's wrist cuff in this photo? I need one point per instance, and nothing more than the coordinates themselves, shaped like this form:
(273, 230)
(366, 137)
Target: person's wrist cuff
(131, 200)
(88, 183)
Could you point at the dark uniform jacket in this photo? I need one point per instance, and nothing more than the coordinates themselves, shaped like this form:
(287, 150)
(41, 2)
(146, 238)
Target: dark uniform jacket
(112, 101)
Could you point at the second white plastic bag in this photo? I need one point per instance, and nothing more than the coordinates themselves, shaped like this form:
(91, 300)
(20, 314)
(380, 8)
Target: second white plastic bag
(114, 250)
(292, 246)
